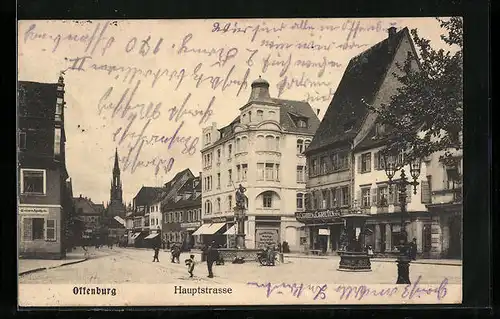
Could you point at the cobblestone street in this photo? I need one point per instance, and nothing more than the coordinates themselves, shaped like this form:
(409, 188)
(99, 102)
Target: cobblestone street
(128, 265)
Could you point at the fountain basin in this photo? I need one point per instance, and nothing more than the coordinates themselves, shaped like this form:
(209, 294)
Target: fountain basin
(354, 261)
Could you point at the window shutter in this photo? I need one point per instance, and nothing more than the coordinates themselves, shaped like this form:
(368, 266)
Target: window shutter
(409, 193)
(374, 192)
(425, 192)
(27, 229)
(358, 163)
(375, 160)
(369, 163)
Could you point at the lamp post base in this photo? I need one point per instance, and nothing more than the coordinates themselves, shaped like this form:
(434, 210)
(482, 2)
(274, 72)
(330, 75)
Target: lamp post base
(403, 270)
(240, 241)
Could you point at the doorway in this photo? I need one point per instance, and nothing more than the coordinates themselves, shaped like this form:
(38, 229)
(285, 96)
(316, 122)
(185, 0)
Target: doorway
(426, 240)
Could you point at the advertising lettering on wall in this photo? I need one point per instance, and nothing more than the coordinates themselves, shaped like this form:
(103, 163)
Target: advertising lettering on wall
(318, 215)
(266, 237)
(33, 210)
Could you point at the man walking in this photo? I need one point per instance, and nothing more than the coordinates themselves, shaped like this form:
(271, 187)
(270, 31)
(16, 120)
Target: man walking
(211, 255)
(157, 251)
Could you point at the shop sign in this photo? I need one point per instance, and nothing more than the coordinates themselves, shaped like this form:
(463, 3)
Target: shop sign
(317, 215)
(219, 220)
(265, 237)
(190, 225)
(34, 210)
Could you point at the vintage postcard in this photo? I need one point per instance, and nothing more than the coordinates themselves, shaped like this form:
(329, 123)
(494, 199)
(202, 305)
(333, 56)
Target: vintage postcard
(240, 162)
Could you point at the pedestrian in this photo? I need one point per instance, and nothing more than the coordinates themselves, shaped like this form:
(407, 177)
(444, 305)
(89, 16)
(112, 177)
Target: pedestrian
(190, 265)
(157, 251)
(369, 251)
(163, 243)
(413, 249)
(176, 253)
(212, 255)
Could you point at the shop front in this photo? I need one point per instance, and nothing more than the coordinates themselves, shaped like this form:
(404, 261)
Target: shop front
(212, 230)
(323, 230)
(267, 231)
(40, 231)
(188, 236)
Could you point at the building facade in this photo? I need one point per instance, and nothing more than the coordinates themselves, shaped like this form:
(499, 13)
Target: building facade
(255, 150)
(44, 200)
(91, 214)
(368, 79)
(183, 215)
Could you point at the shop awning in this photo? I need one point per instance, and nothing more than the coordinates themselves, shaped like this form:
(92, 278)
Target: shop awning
(202, 230)
(231, 230)
(324, 232)
(215, 227)
(135, 235)
(150, 236)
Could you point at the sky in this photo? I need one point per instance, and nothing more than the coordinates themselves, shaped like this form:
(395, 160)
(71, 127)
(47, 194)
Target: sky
(149, 87)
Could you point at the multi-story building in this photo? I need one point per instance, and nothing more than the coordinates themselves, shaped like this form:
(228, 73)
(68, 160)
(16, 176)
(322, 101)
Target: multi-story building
(89, 213)
(368, 79)
(254, 150)
(183, 215)
(142, 204)
(44, 200)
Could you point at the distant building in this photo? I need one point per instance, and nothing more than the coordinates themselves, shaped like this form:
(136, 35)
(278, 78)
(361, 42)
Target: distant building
(261, 149)
(183, 215)
(116, 206)
(90, 213)
(45, 204)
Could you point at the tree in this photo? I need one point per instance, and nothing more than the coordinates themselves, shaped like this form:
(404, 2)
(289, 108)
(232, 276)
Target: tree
(427, 111)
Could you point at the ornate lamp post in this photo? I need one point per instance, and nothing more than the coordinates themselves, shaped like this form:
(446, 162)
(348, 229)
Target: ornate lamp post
(391, 166)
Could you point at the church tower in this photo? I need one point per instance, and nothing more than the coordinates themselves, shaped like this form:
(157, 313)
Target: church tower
(116, 206)
(116, 183)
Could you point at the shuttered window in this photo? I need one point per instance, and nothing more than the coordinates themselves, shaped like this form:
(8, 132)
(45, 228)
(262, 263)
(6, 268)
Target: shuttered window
(425, 192)
(27, 229)
(51, 230)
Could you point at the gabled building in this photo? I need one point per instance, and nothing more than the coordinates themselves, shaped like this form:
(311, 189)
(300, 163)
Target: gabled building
(183, 215)
(258, 150)
(368, 79)
(44, 200)
(90, 213)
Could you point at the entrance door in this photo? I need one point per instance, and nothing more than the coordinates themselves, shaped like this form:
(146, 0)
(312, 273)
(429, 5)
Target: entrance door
(323, 242)
(426, 240)
(455, 248)
(382, 238)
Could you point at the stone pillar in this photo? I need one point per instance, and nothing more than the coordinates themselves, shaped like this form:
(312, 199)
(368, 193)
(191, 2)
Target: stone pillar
(445, 237)
(250, 232)
(418, 235)
(436, 241)
(328, 240)
(378, 238)
(388, 237)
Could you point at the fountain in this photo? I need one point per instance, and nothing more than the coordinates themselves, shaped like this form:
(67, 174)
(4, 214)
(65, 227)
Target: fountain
(353, 258)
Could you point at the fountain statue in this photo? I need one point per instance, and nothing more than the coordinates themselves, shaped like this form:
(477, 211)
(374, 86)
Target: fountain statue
(353, 257)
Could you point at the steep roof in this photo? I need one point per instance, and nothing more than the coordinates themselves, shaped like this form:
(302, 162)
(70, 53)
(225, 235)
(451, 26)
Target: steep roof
(87, 206)
(147, 195)
(192, 184)
(361, 81)
(37, 99)
(193, 201)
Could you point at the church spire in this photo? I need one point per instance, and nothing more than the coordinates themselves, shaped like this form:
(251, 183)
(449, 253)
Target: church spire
(116, 168)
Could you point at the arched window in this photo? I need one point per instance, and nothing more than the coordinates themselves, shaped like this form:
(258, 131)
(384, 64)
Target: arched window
(300, 201)
(230, 202)
(270, 143)
(271, 114)
(218, 204)
(306, 144)
(260, 115)
(243, 145)
(267, 200)
(208, 207)
(261, 142)
(277, 144)
(237, 144)
(300, 146)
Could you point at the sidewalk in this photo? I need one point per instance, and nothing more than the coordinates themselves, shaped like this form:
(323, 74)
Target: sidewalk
(447, 262)
(77, 255)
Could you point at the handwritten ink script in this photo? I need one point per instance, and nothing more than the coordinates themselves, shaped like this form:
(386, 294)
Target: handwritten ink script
(161, 89)
(352, 292)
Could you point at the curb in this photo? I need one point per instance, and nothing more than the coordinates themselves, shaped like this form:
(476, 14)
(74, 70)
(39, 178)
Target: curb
(381, 260)
(47, 268)
(32, 271)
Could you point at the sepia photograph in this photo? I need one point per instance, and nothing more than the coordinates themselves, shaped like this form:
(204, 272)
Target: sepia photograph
(240, 162)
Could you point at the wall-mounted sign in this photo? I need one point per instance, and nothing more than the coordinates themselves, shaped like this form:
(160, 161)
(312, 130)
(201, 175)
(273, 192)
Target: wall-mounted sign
(190, 225)
(219, 220)
(33, 210)
(317, 215)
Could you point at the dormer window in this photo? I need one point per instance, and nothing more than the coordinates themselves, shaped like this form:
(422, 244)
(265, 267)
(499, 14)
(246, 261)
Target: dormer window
(260, 115)
(379, 129)
(302, 123)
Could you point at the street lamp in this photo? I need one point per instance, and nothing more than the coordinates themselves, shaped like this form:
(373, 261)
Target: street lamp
(392, 164)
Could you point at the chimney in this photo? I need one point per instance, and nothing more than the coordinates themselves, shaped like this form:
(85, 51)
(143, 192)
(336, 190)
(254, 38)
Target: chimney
(260, 90)
(391, 32)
